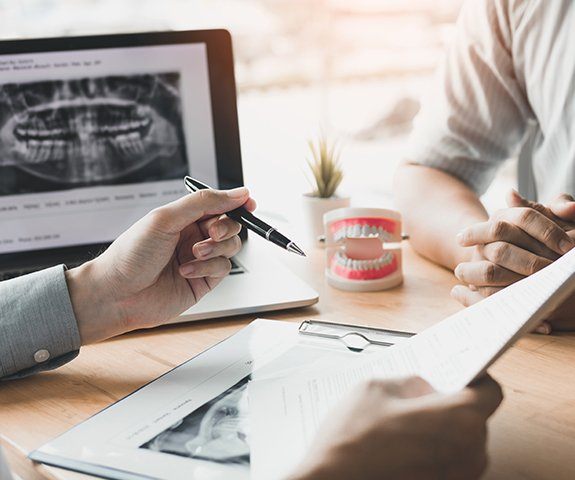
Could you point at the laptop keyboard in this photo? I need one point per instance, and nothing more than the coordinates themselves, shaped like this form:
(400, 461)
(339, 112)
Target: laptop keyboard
(237, 268)
(9, 275)
(20, 272)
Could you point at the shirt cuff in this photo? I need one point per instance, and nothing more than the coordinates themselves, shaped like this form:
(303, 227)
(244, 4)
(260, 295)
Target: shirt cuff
(38, 328)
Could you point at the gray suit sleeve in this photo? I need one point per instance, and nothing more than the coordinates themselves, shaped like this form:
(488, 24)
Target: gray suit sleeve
(38, 329)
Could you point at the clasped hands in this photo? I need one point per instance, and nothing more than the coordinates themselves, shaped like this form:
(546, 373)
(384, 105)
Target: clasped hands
(514, 243)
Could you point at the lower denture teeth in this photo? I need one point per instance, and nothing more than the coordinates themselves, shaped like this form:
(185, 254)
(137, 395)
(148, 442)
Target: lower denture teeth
(139, 145)
(35, 149)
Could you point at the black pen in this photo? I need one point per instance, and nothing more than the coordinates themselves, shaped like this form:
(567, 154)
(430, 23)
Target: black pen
(250, 221)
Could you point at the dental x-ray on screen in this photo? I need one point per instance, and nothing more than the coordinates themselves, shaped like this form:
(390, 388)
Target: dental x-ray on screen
(63, 134)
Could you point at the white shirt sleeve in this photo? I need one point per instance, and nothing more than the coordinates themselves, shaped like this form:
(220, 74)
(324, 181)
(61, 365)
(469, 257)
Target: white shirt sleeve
(476, 116)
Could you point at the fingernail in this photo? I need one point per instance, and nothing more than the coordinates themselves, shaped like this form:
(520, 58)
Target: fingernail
(543, 329)
(565, 245)
(187, 269)
(457, 272)
(204, 249)
(238, 192)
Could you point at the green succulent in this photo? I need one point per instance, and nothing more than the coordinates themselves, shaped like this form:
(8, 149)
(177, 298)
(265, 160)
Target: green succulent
(325, 167)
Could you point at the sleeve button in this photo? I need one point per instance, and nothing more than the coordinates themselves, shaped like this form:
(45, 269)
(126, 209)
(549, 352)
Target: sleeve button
(41, 356)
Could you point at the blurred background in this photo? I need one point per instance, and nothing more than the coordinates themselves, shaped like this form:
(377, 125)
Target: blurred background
(353, 69)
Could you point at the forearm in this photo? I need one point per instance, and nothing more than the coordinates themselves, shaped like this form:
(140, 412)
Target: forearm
(435, 207)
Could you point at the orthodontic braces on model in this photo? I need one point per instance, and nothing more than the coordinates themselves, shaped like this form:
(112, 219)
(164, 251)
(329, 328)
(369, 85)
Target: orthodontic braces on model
(363, 248)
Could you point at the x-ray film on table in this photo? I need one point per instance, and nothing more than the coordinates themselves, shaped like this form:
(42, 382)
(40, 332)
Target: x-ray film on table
(193, 421)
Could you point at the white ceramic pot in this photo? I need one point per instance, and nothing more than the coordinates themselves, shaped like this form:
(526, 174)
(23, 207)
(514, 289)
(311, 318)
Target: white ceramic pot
(314, 209)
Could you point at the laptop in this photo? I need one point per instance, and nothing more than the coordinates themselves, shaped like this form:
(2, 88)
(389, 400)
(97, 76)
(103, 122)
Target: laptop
(96, 131)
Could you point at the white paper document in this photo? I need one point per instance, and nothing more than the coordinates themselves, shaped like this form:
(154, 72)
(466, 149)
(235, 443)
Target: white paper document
(286, 412)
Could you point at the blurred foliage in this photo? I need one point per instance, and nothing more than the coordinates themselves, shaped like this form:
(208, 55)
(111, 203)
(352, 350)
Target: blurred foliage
(325, 167)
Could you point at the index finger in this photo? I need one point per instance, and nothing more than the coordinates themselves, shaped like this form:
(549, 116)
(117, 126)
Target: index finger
(540, 228)
(561, 210)
(499, 230)
(564, 207)
(177, 215)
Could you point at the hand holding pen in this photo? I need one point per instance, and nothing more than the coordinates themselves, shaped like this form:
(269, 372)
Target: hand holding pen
(250, 221)
(172, 257)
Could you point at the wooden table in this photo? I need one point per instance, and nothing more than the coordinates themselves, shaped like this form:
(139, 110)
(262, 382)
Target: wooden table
(532, 435)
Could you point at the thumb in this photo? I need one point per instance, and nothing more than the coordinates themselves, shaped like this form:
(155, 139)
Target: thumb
(177, 215)
(485, 395)
(564, 207)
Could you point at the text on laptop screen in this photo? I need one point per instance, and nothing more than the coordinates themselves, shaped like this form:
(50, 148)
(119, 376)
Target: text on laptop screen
(91, 140)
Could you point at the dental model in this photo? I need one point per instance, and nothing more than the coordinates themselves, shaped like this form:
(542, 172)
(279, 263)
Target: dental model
(363, 249)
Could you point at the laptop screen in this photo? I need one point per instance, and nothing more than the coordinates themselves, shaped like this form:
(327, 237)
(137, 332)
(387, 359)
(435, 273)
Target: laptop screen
(91, 140)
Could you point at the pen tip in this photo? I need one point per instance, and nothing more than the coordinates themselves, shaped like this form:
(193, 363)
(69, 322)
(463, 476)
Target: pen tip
(292, 247)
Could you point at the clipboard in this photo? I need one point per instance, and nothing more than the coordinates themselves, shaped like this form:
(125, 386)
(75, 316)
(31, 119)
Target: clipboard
(131, 439)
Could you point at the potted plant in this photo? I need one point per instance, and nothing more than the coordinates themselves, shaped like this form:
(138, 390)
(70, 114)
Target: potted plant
(326, 178)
